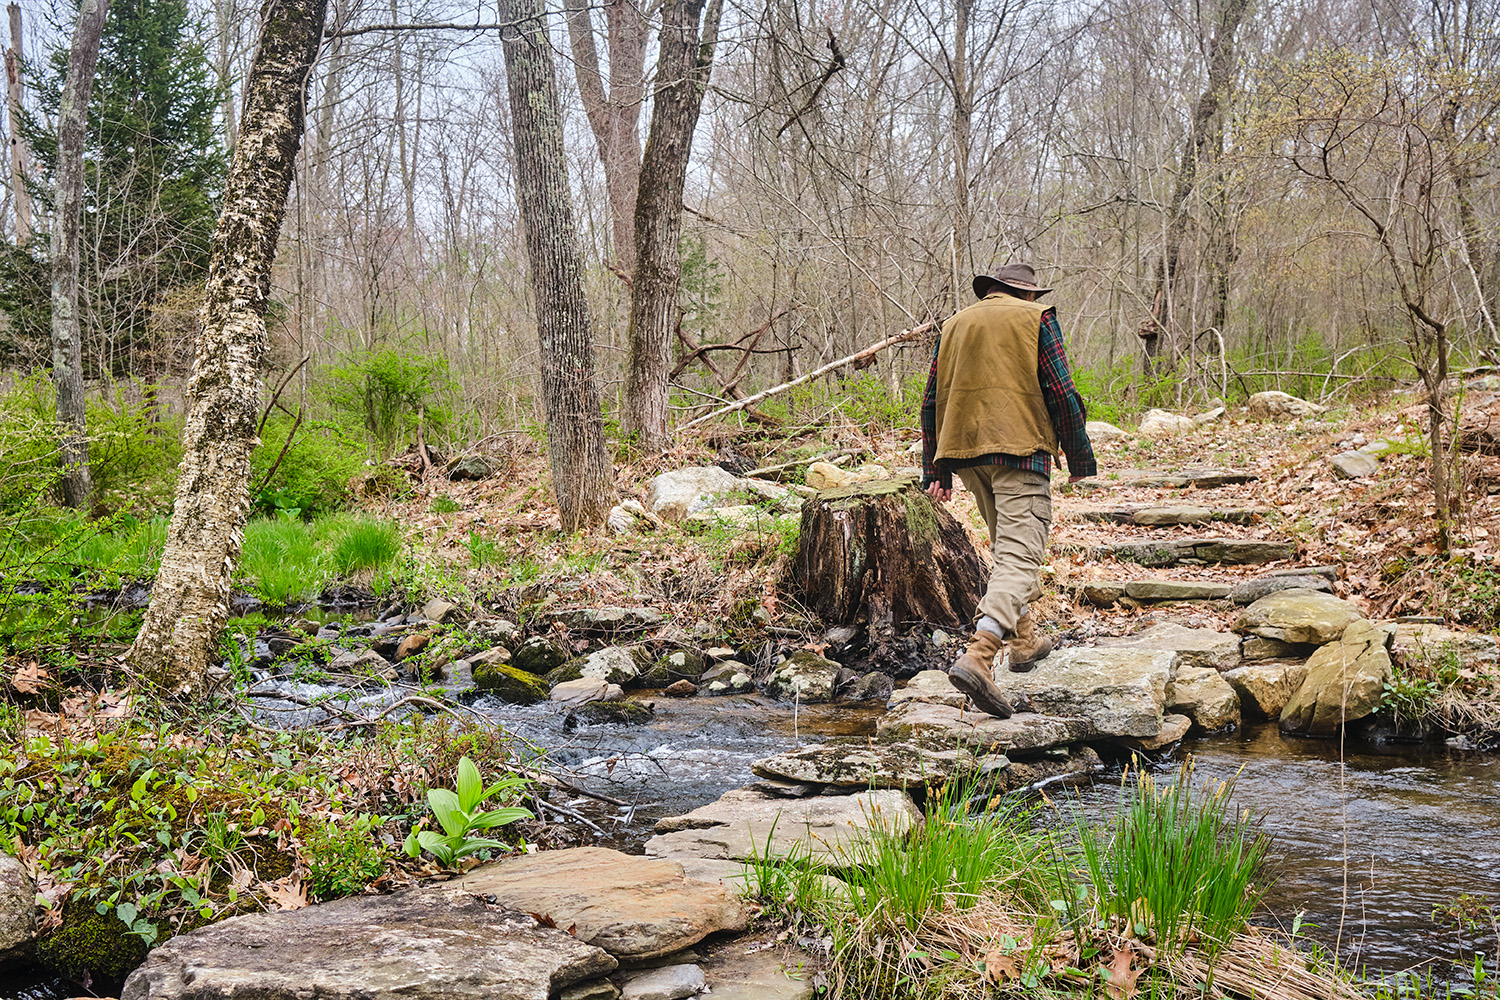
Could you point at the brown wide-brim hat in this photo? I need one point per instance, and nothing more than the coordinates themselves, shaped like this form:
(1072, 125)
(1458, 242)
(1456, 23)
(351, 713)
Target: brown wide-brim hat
(1021, 277)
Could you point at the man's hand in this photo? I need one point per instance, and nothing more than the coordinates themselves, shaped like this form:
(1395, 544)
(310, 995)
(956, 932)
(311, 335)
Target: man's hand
(936, 491)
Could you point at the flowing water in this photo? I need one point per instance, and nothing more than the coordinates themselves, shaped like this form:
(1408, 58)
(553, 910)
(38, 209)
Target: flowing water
(1367, 839)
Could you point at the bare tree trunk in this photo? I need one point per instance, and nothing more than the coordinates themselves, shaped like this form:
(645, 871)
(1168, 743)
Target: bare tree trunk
(190, 600)
(20, 154)
(582, 478)
(683, 64)
(963, 137)
(67, 336)
(614, 113)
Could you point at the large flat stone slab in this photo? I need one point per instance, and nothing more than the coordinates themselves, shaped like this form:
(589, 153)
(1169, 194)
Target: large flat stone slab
(1171, 552)
(1023, 734)
(418, 943)
(1426, 645)
(857, 763)
(930, 686)
(743, 823)
(632, 907)
(1195, 647)
(1121, 692)
(1175, 590)
(1174, 514)
(1251, 591)
(1198, 477)
(1298, 615)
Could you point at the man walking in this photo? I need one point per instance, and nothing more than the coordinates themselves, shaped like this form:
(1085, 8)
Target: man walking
(1000, 402)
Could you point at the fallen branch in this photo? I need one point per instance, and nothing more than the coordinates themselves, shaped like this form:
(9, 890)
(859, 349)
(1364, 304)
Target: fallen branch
(868, 352)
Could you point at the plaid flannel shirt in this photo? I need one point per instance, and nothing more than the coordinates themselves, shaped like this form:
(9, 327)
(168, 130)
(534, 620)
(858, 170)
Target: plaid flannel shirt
(1064, 406)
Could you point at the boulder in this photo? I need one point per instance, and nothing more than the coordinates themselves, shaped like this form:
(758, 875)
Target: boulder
(680, 689)
(1212, 416)
(1265, 688)
(498, 654)
(670, 982)
(1195, 647)
(439, 610)
(616, 711)
(1203, 695)
(620, 665)
(366, 662)
(538, 655)
(745, 823)
(804, 676)
(873, 686)
(1121, 692)
(727, 677)
(610, 621)
(17, 911)
(673, 495)
(1100, 432)
(862, 763)
(1354, 465)
(1103, 593)
(931, 686)
(1161, 423)
(412, 644)
(1250, 591)
(1275, 405)
(1345, 683)
(1022, 735)
(512, 686)
(417, 943)
(471, 467)
(582, 691)
(1298, 615)
(634, 908)
(825, 476)
(683, 664)
(1175, 590)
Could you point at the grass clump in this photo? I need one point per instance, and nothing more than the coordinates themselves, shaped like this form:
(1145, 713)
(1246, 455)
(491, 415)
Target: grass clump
(365, 546)
(282, 561)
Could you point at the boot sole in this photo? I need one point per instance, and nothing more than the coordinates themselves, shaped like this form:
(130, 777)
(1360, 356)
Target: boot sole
(983, 695)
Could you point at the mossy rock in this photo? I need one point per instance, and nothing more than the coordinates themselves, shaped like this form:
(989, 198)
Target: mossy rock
(620, 665)
(538, 655)
(570, 671)
(628, 712)
(515, 687)
(682, 664)
(91, 944)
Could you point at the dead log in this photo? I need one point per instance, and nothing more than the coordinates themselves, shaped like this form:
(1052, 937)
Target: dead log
(882, 555)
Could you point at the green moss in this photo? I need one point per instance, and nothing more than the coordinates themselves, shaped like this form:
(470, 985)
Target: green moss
(570, 671)
(91, 943)
(848, 497)
(505, 682)
(921, 517)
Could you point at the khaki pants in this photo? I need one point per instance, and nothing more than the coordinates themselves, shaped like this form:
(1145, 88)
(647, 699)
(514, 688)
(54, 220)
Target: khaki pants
(1017, 506)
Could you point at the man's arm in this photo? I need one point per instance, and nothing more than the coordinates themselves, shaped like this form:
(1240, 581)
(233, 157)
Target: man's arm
(1064, 405)
(930, 473)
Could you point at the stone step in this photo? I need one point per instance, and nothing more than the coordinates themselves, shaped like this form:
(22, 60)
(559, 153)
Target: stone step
(1188, 551)
(1183, 514)
(1106, 593)
(1198, 477)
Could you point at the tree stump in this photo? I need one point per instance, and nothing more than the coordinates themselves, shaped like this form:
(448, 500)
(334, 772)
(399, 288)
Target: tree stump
(883, 555)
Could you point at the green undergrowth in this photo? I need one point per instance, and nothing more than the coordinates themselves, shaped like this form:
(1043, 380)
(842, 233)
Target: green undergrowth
(141, 830)
(980, 894)
(287, 561)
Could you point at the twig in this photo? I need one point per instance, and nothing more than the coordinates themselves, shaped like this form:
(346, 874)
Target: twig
(266, 479)
(260, 428)
(571, 814)
(868, 352)
(825, 457)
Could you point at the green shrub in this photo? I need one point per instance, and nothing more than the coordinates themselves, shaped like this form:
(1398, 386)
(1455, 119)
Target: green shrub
(1174, 864)
(343, 856)
(132, 451)
(313, 476)
(387, 392)
(364, 545)
(283, 561)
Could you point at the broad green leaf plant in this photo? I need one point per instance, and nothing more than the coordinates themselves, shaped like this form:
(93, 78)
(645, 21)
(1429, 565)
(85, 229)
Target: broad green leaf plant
(459, 812)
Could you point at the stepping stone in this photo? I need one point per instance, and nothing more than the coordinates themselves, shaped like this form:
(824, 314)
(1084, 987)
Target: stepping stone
(670, 982)
(1195, 647)
(1251, 591)
(1121, 692)
(1298, 616)
(744, 823)
(1345, 682)
(1192, 551)
(1265, 688)
(1197, 477)
(1023, 734)
(1156, 516)
(1175, 590)
(634, 908)
(862, 763)
(1204, 696)
(1173, 729)
(417, 943)
(931, 686)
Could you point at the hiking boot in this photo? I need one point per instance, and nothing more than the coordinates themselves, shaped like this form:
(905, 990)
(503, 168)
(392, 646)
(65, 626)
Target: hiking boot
(970, 673)
(1026, 647)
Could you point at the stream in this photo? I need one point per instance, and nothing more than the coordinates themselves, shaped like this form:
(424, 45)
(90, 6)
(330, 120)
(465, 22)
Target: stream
(1363, 849)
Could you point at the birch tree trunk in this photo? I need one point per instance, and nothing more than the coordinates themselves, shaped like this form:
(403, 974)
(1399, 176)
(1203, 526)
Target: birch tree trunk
(20, 153)
(684, 62)
(190, 600)
(67, 221)
(581, 472)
